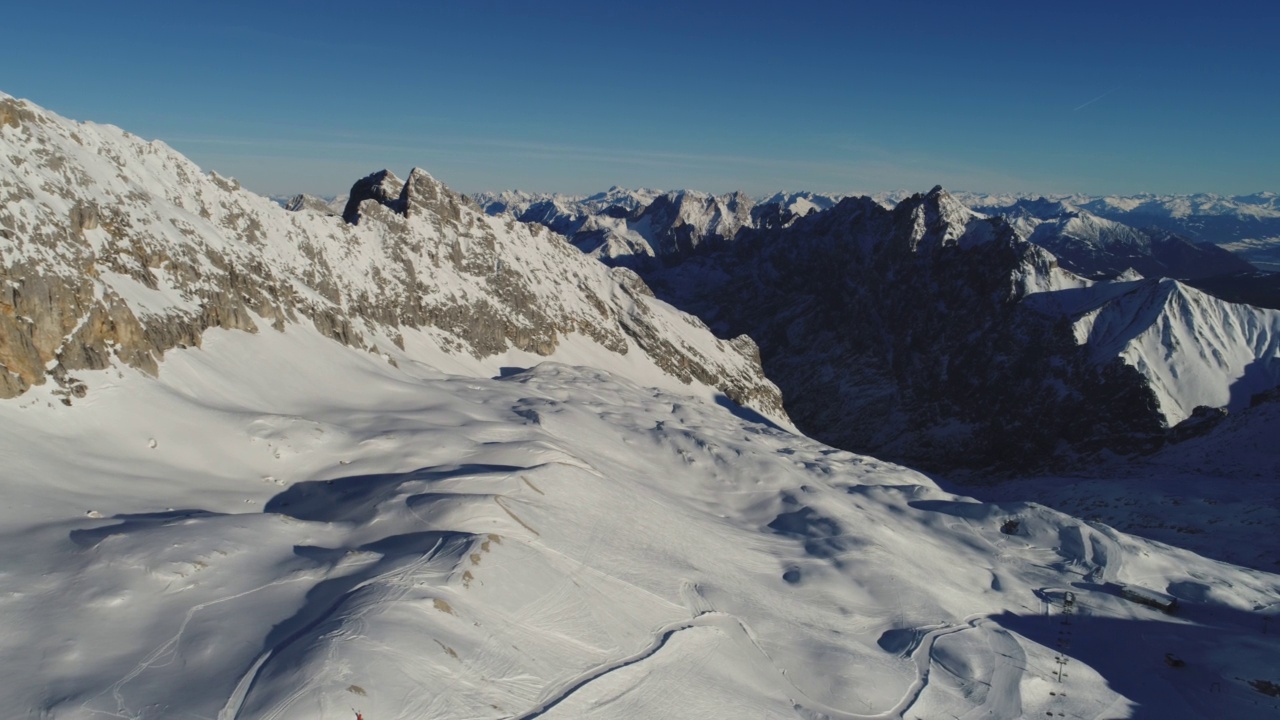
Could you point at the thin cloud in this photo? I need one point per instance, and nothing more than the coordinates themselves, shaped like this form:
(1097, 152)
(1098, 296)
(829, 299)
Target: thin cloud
(1090, 102)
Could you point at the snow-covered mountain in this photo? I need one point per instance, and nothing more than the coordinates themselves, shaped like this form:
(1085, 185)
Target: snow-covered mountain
(1089, 245)
(884, 306)
(1192, 348)
(331, 206)
(634, 228)
(117, 250)
(648, 227)
(1260, 205)
(282, 465)
(1257, 205)
(802, 202)
(1247, 225)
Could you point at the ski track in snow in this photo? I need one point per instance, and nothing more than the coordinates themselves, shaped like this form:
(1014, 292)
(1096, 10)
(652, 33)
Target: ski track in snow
(1001, 702)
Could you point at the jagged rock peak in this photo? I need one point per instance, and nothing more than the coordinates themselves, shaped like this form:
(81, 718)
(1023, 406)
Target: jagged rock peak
(936, 220)
(423, 194)
(418, 196)
(382, 187)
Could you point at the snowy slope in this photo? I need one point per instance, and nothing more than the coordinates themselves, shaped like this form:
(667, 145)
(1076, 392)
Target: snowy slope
(282, 527)
(1192, 348)
(272, 464)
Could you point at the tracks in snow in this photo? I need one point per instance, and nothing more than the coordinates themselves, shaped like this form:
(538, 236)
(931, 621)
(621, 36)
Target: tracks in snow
(399, 578)
(559, 693)
(1002, 701)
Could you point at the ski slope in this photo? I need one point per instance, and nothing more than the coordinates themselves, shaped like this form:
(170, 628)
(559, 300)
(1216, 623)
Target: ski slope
(279, 527)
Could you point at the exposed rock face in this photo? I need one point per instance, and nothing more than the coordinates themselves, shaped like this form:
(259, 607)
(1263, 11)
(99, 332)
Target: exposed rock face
(116, 250)
(382, 187)
(683, 222)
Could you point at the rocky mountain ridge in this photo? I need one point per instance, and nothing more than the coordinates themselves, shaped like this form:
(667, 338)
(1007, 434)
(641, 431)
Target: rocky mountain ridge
(634, 228)
(647, 227)
(114, 250)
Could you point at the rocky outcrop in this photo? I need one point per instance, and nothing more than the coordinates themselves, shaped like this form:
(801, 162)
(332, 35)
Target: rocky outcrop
(382, 187)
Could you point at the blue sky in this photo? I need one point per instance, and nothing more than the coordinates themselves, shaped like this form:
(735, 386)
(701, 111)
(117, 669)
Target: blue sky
(577, 96)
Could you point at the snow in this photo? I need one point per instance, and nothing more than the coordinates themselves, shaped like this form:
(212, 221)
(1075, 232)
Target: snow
(1262, 252)
(283, 527)
(1256, 206)
(1214, 494)
(1193, 348)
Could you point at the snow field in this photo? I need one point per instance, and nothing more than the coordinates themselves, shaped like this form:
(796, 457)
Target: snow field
(329, 532)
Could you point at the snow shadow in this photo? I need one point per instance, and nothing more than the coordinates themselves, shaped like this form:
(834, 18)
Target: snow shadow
(1137, 656)
(356, 498)
(957, 508)
(133, 522)
(823, 537)
(1073, 301)
(1259, 376)
(745, 413)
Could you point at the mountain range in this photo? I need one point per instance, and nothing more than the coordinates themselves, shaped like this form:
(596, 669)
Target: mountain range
(932, 335)
(400, 455)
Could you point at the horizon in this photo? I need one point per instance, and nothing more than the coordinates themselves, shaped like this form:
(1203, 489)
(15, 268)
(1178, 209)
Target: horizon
(571, 97)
